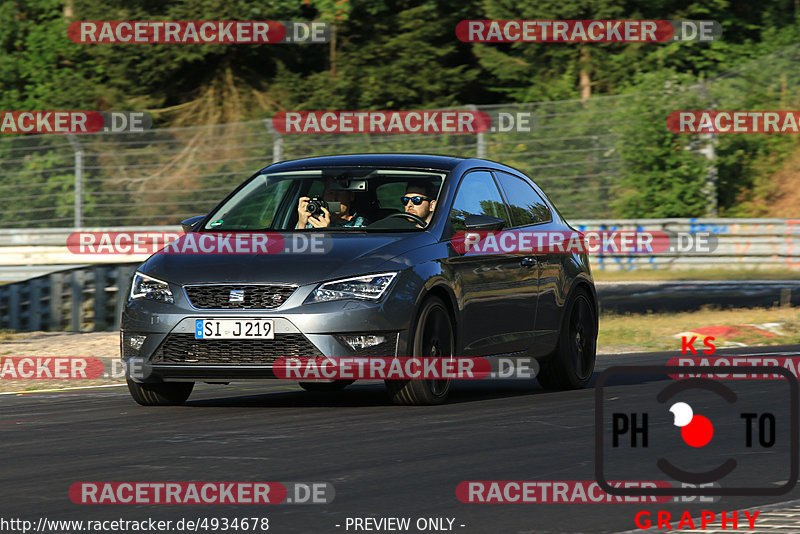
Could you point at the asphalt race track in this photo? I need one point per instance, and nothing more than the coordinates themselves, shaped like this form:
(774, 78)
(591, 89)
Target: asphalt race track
(383, 460)
(686, 295)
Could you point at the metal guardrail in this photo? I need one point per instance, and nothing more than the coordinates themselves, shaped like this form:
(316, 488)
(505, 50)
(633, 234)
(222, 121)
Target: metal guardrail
(90, 296)
(82, 299)
(25, 253)
(741, 243)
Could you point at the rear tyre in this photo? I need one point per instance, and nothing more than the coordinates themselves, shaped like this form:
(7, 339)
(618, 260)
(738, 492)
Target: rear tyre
(325, 387)
(572, 363)
(433, 337)
(163, 394)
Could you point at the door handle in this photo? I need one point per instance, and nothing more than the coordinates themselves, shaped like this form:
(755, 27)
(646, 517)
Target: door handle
(528, 262)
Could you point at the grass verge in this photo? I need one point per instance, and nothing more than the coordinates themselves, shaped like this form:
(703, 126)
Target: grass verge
(694, 274)
(655, 331)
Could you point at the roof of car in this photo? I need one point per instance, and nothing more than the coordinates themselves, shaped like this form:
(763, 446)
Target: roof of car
(362, 160)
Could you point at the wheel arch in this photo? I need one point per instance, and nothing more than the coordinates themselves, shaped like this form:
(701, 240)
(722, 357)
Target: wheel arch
(444, 292)
(582, 282)
(556, 372)
(577, 283)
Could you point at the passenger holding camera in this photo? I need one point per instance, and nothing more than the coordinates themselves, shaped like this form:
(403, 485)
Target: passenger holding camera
(320, 217)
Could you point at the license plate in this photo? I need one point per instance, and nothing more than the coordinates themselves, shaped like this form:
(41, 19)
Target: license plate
(233, 328)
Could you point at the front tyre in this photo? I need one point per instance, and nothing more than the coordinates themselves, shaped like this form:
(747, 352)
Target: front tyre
(433, 338)
(162, 394)
(572, 364)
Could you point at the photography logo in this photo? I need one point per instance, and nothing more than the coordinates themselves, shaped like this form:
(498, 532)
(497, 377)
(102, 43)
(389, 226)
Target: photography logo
(714, 437)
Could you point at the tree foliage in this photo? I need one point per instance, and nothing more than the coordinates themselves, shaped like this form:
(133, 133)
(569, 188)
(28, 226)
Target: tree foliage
(403, 54)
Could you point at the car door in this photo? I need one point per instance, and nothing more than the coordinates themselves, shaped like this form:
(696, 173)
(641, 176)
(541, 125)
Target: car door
(529, 212)
(494, 319)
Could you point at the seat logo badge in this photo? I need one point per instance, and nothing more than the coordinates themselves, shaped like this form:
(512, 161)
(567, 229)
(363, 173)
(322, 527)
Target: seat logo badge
(236, 295)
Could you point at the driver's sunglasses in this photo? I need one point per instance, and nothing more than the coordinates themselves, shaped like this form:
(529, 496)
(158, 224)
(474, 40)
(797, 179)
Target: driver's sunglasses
(417, 200)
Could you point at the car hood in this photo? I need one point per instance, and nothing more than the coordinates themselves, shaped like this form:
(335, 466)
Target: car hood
(345, 255)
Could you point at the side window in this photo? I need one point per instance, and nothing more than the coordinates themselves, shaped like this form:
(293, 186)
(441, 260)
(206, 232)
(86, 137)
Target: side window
(477, 195)
(525, 204)
(255, 210)
(272, 202)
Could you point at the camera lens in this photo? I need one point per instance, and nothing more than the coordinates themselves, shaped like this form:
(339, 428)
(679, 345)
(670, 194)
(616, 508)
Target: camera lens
(315, 205)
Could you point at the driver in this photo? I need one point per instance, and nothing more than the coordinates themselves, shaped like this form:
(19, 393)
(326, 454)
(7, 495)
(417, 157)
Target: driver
(419, 201)
(341, 219)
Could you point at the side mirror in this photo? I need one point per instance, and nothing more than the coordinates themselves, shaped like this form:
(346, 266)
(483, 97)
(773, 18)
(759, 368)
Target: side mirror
(483, 223)
(189, 223)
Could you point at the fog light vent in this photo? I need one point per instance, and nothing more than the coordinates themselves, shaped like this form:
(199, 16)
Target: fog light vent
(359, 343)
(377, 345)
(131, 345)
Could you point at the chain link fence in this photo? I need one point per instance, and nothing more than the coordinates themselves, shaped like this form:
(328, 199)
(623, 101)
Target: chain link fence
(162, 176)
(590, 156)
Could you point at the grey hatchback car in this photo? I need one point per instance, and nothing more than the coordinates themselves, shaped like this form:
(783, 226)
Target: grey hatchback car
(386, 281)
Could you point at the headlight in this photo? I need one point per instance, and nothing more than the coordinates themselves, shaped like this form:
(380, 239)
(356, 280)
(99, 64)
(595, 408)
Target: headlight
(370, 287)
(150, 288)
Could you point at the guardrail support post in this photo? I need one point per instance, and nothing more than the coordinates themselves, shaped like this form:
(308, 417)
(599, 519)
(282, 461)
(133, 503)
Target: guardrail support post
(14, 310)
(76, 290)
(99, 273)
(4, 297)
(56, 292)
(35, 305)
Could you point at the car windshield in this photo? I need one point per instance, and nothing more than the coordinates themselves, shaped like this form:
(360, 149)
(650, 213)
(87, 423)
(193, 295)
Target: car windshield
(342, 199)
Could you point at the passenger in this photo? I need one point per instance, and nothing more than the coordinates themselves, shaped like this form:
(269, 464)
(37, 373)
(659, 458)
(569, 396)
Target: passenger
(341, 219)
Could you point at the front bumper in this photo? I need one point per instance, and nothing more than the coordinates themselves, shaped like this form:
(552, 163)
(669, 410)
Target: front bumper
(168, 351)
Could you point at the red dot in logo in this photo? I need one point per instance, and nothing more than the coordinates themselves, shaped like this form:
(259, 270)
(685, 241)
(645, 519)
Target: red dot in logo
(698, 432)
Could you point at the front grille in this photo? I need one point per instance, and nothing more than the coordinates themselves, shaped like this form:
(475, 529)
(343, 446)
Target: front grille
(256, 297)
(185, 349)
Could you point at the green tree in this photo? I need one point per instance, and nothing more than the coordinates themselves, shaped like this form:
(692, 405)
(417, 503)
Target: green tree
(40, 68)
(663, 174)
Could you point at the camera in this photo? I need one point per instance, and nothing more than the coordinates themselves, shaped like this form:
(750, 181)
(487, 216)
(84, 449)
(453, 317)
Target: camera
(315, 205)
